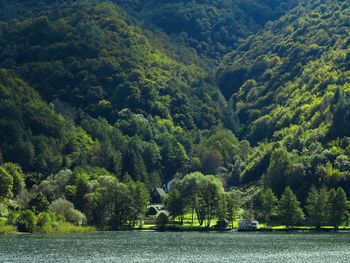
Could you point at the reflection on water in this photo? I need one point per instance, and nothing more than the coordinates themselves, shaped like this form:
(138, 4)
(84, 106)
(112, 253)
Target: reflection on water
(176, 247)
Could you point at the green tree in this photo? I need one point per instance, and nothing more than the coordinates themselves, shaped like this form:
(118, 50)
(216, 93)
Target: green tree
(26, 221)
(317, 207)
(290, 212)
(66, 209)
(39, 203)
(175, 203)
(140, 198)
(162, 220)
(6, 184)
(189, 192)
(44, 220)
(211, 194)
(338, 207)
(18, 177)
(279, 163)
(211, 161)
(269, 203)
(233, 203)
(204, 195)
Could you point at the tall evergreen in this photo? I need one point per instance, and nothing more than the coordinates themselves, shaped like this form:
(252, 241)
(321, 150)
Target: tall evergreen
(269, 203)
(338, 206)
(317, 207)
(290, 212)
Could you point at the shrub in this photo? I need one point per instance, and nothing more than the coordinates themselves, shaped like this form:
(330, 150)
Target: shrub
(45, 219)
(162, 220)
(75, 217)
(66, 209)
(26, 221)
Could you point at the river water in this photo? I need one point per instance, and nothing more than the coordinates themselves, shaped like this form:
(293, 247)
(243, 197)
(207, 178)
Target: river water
(176, 247)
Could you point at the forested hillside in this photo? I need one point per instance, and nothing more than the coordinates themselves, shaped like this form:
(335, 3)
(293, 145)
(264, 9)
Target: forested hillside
(101, 102)
(85, 93)
(88, 63)
(289, 88)
(211, 27)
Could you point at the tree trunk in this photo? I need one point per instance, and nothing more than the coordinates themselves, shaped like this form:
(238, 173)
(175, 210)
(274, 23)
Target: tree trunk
(192, 217)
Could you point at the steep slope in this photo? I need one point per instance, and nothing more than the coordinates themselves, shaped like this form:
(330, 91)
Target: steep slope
(34, 135)
(212, 28)
(88, 56)
(289, 85)
(138, 111)
(130, 107)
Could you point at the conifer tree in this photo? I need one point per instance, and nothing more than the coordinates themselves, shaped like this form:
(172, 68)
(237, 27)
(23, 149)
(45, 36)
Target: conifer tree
(317, 207)
(338, 207)
(290, 212)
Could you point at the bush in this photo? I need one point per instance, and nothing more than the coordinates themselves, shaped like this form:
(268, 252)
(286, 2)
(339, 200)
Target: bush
(4, 212)
(60, 206)
(66, 209)
(45, 219)
(162, 220)
(75, 217)
(26, 221)
(12, 217)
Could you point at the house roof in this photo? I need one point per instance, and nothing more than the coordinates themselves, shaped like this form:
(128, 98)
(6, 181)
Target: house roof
(159, 191)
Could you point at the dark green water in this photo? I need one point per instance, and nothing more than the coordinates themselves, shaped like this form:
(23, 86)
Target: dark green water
(176, 247)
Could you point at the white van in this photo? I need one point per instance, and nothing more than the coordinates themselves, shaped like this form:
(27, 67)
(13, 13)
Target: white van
(244, 224)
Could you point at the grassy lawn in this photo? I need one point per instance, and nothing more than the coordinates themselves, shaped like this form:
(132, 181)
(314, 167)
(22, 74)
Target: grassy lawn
(188, 219)
(186, 223)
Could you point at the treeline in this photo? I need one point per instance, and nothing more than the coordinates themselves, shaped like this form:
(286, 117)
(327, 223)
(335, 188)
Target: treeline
(205, 199)
(92, 196)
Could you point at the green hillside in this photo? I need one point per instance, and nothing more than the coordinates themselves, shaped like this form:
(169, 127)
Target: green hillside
(103, 101)
(289, 88)
(145, 111)
(87, 55)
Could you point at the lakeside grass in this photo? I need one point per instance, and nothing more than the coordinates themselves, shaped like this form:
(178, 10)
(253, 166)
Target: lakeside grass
(60, 229)
(7, 229)
(65, 228)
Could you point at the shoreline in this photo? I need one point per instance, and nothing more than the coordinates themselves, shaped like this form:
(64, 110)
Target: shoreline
(189, 229)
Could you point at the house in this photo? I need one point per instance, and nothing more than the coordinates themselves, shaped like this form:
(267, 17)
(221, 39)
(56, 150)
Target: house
(158, 195)
(153, 211)
(244, 224)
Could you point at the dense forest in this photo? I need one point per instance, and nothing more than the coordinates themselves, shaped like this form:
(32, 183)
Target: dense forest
(289, 90)
(211, 27)
(103, 101)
